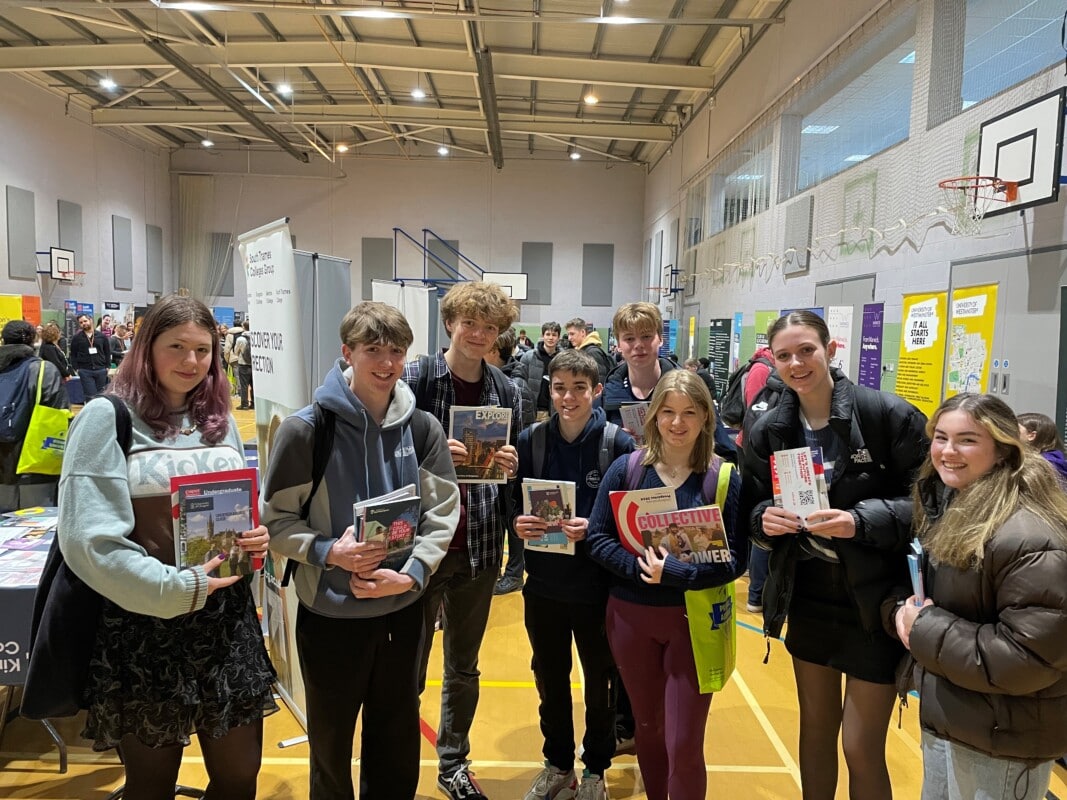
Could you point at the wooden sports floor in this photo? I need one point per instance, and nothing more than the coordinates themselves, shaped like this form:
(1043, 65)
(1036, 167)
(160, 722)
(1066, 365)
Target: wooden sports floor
(750, 751)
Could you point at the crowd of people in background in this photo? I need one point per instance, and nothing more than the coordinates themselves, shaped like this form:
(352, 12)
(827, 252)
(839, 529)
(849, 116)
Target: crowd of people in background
(981, 490)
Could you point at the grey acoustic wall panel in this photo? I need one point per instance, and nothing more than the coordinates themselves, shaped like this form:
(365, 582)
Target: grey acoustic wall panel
(21, 235)
(377, 263)
(798, 220)
(122, 251)
(70, 231)
(537, 264)
(154, 257)
(598, 261)
(443, 252)
(222, 257)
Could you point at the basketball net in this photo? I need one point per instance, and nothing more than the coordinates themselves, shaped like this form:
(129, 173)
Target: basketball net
(967, 199)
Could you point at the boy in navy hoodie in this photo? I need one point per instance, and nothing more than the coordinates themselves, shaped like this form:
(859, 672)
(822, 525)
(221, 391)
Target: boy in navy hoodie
(566, 596)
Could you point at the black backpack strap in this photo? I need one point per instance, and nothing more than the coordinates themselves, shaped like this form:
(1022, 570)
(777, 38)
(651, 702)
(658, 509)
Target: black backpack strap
(422, 385)
(324, 424)
(503, 388)
(539, 448)
(607, 447)
(123, 423)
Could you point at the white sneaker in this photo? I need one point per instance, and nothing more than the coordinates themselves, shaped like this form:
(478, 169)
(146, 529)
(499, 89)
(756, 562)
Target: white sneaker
(592, 787)
(552, 784)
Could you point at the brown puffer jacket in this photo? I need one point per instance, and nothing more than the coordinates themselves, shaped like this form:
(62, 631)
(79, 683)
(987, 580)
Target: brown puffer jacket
(993, 647)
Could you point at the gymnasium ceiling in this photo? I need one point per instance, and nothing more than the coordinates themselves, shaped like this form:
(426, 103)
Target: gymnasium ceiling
(503, 79)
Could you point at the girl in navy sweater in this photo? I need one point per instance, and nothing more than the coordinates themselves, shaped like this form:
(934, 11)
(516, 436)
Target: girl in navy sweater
(646, 621)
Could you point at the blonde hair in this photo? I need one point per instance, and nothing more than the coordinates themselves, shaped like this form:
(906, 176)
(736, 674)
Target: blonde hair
(690, 385)
(637, 318)
(1019, 478)
(479, 300)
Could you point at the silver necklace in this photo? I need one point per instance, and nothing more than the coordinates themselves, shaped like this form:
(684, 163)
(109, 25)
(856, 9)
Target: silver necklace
(185, 430)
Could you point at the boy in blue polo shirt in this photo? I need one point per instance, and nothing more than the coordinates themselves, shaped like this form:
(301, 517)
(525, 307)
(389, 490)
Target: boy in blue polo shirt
(566, 596)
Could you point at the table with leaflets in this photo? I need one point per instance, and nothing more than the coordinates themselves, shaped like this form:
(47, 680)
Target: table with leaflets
(25, 537)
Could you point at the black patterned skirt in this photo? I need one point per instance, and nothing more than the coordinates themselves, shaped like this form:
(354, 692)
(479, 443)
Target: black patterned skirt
(162, 680)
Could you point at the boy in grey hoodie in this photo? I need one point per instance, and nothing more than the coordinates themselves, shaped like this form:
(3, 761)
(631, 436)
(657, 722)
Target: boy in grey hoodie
(359, 627)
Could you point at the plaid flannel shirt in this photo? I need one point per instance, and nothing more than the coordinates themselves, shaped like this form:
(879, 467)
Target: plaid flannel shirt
(485, 524)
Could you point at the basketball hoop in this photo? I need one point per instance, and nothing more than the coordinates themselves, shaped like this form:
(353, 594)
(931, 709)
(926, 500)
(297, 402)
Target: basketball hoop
(967, 200)
(662, 291)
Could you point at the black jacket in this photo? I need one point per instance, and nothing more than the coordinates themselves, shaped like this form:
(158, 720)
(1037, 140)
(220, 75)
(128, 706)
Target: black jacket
(51, 353)
(80, 358)
(884, 443)
(516, 371)
(53, 395)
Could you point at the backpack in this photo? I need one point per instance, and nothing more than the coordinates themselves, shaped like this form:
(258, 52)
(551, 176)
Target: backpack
(324, 424)
(244, 357)
(732, 404)
(539, 446)
(16, 404)
(66, 614)
(716, 479)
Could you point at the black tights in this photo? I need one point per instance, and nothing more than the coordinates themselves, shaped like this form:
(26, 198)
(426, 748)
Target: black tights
(863, 722)
(232, 765)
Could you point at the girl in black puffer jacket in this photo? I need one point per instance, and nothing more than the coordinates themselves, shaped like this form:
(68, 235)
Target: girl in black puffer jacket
(830, 571)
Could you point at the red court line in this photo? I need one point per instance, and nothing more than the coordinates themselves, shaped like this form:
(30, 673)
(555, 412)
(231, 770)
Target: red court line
(429, 733)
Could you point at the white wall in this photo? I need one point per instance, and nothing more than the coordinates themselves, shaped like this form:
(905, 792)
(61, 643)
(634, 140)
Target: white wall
(490, 212)
(910, 247)
(57, 156)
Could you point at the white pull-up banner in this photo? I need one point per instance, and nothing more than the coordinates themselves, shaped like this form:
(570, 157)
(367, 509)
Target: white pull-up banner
(278, 350)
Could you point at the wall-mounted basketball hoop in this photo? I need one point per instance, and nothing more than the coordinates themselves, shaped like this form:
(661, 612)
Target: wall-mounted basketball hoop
(968, 198)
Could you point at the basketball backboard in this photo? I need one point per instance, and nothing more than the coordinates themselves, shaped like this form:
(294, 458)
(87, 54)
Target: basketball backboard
(513, 283)
(61, 264)
(1025, 145)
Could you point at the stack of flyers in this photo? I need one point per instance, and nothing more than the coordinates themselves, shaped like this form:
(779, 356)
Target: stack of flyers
(392, 519)
(633, 419)
(916, 565)
(798, 480)
(552, 501)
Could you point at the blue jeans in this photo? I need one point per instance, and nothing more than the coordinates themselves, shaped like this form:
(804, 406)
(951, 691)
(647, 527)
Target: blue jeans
(466, 601)
(954, 772)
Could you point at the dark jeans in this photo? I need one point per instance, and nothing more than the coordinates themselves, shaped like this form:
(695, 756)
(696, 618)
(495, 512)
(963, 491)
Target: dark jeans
(551, 624)
(369, 664)
(466, 601)
(758, 560)
(244, 385)
(516, 557)
(94, 381)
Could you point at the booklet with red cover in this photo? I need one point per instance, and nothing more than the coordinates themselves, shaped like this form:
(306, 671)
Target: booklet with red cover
(211, 511)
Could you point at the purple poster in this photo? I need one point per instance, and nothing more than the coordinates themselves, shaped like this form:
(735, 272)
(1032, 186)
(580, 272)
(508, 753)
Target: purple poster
(871, 346)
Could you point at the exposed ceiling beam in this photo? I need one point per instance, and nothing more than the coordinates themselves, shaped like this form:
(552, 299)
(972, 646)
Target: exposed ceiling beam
(487, 89)
(318, 54)
(360, 115)
(439, 13)
(213, 87)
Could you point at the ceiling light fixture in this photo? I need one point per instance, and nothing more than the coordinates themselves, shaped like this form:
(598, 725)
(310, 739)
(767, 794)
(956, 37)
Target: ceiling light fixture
(342, 148)
(442, 150)
(591, 99)
(107, 84)
(574, 154)
(206, 142)
(418, 93)
(285, 88)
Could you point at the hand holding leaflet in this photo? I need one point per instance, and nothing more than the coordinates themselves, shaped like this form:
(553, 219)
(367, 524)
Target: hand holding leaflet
(916, 565)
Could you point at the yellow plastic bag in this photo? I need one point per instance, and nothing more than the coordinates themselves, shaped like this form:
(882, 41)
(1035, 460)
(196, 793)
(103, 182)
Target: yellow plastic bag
(713, 631)
(46, 437)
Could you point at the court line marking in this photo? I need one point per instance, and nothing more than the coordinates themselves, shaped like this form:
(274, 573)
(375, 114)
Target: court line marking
(768, 729)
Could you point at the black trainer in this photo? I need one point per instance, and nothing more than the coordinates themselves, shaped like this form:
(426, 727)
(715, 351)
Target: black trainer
(461, 785)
